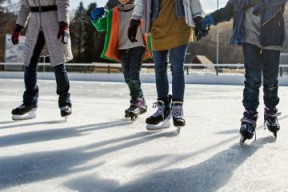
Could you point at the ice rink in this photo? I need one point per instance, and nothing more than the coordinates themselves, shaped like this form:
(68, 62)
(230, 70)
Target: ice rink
(98, 150)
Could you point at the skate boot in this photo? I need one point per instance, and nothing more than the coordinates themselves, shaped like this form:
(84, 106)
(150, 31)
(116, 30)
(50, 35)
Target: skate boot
(177, 114)
(271, 120)
(248, 125)
(23, 112)
(160, 119)
(65, 111)
(138, 106)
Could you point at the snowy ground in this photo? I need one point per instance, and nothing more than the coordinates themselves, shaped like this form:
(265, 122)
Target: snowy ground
(98, 150)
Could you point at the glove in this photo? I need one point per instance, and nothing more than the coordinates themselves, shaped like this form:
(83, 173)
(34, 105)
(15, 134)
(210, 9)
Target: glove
(16, 34)
(97, 13)
(132, 30)
(199, 32)
(197, 21)
(63, 32)
(207, 22)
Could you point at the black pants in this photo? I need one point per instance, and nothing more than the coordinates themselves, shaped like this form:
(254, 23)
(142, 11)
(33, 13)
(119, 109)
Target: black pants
(30, 96)
(131, 66)
(260, 64)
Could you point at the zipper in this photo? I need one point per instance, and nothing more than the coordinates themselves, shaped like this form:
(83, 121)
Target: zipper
(280, 9)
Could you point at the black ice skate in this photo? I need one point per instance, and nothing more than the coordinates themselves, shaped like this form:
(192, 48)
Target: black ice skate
(138, 106)
(160, 119)
(177, 114)
(65, 111)
(23, 112)
(271, 120)
(248, 125)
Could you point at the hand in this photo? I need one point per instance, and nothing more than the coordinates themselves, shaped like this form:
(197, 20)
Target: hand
(97, 13)
(132, 30)
(63, 32)
(207, 22)
(197, 28)
(16, 34)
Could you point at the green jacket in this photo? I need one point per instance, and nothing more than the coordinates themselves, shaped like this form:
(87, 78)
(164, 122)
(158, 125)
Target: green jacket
(110, 24)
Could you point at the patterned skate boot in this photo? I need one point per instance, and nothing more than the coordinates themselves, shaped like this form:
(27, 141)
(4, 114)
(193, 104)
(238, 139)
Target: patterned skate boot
(271, 120)
(138, 106)
(23, 112)
(248, 125)
(177, 115)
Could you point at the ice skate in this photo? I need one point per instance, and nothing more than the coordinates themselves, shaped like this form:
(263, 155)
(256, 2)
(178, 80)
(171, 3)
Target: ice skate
(271, 120)
(160, 119)
(248, 125)
(23, 112)
(65, 111)
(177, 114)
(138, 106)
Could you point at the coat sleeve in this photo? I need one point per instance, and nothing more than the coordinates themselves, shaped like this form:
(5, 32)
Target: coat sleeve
(24, 13)
(100, 24)
(63, 10)
(138, 10)
(197, 10)
(224, 14)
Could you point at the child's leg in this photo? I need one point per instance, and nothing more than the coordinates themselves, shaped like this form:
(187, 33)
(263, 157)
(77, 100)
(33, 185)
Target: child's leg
(270, 77)
(135, 65)
(125, 62)
(253, 66)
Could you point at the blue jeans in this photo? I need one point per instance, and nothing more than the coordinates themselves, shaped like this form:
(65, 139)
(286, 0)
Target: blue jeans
(31, 93)
(131, 60)
(177, 56)
(259, 64)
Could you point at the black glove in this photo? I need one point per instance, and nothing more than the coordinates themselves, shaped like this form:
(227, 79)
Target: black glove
(200, 33)
(197, 28)
(132, 30)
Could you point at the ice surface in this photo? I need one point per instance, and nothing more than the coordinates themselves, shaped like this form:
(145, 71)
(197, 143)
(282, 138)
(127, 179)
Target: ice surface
(99, 150)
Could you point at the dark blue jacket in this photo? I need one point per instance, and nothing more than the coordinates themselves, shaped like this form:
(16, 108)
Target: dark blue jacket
(272, 20)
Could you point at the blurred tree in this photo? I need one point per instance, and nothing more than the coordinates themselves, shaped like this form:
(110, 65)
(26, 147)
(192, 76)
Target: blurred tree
(7, 22)
(93, 40)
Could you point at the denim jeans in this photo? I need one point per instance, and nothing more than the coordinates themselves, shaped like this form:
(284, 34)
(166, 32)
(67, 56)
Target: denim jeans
(177, 56)
(260, 64)
(131, 60)
(31, 93)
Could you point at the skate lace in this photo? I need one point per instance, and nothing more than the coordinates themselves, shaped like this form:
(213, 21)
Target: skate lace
(160, 110)
(177, 111)
(64, 108)
(22, 106)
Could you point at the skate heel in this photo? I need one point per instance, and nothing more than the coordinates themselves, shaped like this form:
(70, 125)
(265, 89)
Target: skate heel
(65, 112)
(29, 115)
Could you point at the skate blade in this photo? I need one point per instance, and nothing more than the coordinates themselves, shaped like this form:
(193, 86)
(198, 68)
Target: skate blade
(242, 140)
(164, 125)
(27, 116)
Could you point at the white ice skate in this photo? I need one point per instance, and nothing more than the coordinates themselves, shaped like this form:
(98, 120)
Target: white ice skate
(158, 127)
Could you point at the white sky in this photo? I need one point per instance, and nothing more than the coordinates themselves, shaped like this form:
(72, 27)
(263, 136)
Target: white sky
(209, 5)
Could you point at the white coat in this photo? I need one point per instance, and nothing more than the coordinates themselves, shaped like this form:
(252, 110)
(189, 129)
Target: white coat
(48, 22)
